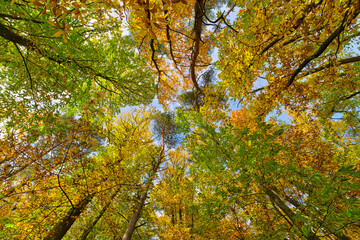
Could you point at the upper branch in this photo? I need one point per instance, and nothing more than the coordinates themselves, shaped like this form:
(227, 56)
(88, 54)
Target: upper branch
(199, 6)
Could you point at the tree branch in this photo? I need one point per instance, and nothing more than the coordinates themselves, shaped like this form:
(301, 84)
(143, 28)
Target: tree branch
(15, 38)
(290, 214)
(320, 50)
(3, 15)
(199, 5)
(28, 72)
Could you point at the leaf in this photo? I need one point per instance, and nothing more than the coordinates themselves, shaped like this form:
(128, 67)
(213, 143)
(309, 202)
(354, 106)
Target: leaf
(59, 33)
(54, 24)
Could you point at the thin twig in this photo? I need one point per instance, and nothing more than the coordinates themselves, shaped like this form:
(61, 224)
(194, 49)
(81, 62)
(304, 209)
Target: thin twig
(28, 72)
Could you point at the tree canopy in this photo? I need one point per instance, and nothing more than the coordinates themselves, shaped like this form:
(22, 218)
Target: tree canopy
(179, 119)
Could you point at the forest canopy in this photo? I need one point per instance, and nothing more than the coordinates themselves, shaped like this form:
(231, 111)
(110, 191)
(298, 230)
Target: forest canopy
(179, 119)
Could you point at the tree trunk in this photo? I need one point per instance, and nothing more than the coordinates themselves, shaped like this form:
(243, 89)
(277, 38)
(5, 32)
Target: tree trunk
(135, 217)
(90, 227)
(61, 228)
(173, 217)
(338, 234)
(180, 215)
(290, 214)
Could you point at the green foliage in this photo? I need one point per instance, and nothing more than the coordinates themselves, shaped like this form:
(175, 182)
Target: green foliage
(42, 75)
(75, 162)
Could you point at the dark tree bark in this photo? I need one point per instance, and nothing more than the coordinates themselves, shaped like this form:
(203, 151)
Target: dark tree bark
(289, 213)
(135, 217)
(61, 228)
(90, 227)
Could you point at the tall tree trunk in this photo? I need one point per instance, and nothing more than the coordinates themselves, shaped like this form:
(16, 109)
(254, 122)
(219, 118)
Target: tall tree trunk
(337, 233)
(173, 221)
(61, 228)
(180, 214)
(135, 217)
(290, 214)
(90, 227)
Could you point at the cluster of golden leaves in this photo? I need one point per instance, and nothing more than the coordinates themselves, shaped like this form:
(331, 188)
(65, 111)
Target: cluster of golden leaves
(166, 38)
(295, 50)
(39, 174)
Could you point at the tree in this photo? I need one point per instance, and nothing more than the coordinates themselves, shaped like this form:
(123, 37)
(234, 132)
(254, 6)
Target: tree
(300, 56)
(50, 176)
(265, 184)
(51, 75)
(83, 156)
(165, 128)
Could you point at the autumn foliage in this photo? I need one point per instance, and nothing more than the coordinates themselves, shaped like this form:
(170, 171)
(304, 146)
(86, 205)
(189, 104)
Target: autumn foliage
(179, 119)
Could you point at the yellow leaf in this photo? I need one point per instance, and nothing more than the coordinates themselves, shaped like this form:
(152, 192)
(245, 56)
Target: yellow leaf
(59, 33)
(64, 38)
(52, 23)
